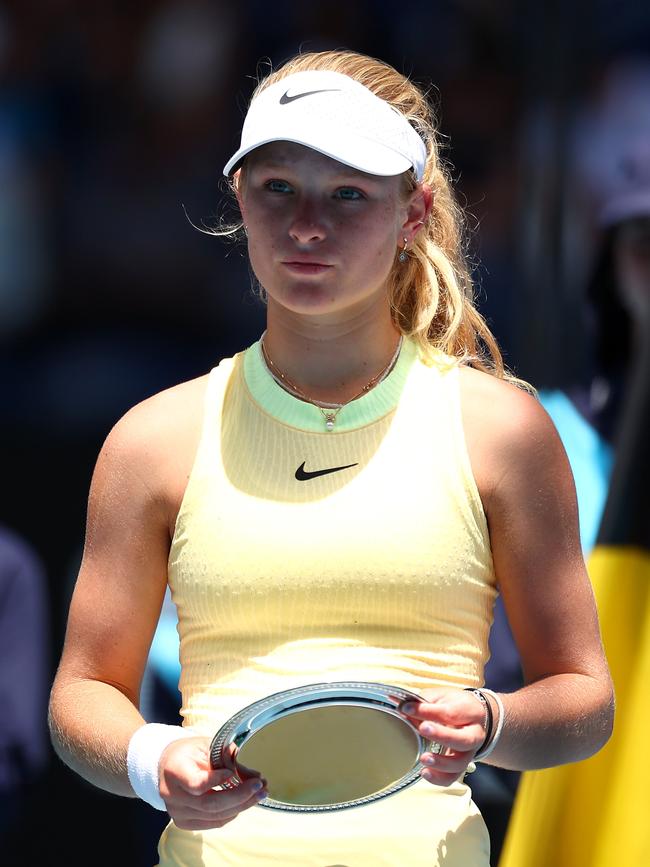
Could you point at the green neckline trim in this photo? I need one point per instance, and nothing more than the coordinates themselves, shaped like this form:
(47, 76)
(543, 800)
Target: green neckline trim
(277, 402)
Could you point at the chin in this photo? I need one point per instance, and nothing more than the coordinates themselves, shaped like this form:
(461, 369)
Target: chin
(313, 300)
(306, 299)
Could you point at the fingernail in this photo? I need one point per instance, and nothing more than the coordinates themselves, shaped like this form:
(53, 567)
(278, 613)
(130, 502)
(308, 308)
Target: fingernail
(257, 785)
(261, 795)
(408, 708)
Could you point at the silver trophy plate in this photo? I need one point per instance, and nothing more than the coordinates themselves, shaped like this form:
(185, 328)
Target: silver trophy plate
(325, 746)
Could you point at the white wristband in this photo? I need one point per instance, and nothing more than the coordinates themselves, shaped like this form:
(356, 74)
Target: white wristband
(494, 740)
(143, 758)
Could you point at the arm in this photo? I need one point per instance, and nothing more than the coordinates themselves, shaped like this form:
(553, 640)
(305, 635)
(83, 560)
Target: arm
(114, 610)
(564, 712)
(113, 615)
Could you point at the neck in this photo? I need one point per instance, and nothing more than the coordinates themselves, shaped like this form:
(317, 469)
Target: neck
(330, 361)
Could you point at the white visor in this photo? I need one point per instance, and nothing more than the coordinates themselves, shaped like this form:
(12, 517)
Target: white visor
(336, 116)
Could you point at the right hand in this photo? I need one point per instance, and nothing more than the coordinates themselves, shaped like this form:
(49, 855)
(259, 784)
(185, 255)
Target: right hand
(187, 783)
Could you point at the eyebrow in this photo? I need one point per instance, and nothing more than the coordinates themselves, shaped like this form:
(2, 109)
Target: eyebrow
(345, 172)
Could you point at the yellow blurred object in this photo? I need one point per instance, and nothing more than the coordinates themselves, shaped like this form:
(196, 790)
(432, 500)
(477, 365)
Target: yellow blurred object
(596, 813)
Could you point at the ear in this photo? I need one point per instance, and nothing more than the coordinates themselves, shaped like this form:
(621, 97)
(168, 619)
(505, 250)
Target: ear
(418, 209)
(238, 184)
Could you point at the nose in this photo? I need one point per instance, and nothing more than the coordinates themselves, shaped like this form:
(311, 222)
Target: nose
(307, 223)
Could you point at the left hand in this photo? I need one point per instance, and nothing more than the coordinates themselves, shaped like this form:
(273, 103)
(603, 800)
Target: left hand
(455, 719)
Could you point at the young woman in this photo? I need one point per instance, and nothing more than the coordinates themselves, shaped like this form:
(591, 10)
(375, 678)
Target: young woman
(341, 501)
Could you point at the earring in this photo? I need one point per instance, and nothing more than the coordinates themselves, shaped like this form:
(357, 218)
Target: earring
(403, 256)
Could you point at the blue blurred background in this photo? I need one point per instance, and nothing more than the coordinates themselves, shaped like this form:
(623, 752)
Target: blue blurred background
(115, 121)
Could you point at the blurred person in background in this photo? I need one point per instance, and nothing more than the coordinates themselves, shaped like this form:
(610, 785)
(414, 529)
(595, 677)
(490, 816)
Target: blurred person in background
(612, 162)
(609, 215)
(606, 263)
(609, 159)
(25, 679)
(372, 345)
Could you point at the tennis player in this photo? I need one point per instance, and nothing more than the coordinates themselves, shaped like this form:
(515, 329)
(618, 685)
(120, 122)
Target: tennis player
(341, 501)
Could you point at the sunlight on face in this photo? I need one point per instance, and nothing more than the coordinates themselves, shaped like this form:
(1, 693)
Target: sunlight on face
(322, 237)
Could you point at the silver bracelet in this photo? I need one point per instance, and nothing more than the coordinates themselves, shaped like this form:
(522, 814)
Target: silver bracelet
(488, 722)
(499, 729)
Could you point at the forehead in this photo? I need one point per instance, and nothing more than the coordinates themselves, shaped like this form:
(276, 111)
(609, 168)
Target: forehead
(291, 155)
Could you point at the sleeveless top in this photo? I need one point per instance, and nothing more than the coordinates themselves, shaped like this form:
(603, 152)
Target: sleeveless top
(378, 569)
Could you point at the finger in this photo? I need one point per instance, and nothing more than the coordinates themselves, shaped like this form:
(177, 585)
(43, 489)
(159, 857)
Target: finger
(449, 763)
(229, 800)
(199, 780)
(443, 770)
(203, 779)
(464, 739)
(245, 773)
(458, 712)
(215, 809)
(192, 823)
(246, 804)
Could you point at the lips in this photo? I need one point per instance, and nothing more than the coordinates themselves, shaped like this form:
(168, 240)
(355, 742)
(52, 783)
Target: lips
(300, 267)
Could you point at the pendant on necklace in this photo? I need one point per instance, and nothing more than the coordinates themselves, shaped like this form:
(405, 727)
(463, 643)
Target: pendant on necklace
(330, 418)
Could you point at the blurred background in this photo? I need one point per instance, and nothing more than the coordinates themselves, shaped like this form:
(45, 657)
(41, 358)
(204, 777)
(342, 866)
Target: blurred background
(115, 121)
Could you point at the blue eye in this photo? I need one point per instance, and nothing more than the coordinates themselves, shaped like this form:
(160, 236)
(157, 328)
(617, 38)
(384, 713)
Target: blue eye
(276, 186)
(349, 194)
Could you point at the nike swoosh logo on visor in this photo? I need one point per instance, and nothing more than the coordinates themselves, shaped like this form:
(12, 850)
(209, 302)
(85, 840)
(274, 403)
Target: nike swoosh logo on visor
(304, 475)
(285, 99)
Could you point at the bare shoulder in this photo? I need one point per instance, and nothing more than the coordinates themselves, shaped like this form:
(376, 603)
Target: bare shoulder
(507, 430)
(123, 574)
(157, 421)
(152, 446)
(509, 407)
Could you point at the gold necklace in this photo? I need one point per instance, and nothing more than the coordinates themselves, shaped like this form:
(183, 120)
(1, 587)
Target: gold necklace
(329, 411)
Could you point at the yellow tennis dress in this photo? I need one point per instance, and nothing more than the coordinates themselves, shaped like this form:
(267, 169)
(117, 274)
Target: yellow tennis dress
(377, 570)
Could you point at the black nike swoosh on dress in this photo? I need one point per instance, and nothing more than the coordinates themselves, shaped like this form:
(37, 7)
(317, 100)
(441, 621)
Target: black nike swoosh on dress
(285, 98)
(304, 475)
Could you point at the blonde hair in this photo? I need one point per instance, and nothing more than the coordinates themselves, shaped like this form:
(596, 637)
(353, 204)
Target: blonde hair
(431, 294)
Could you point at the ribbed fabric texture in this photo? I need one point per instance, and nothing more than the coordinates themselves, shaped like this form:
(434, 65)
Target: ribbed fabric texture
(381, 571)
